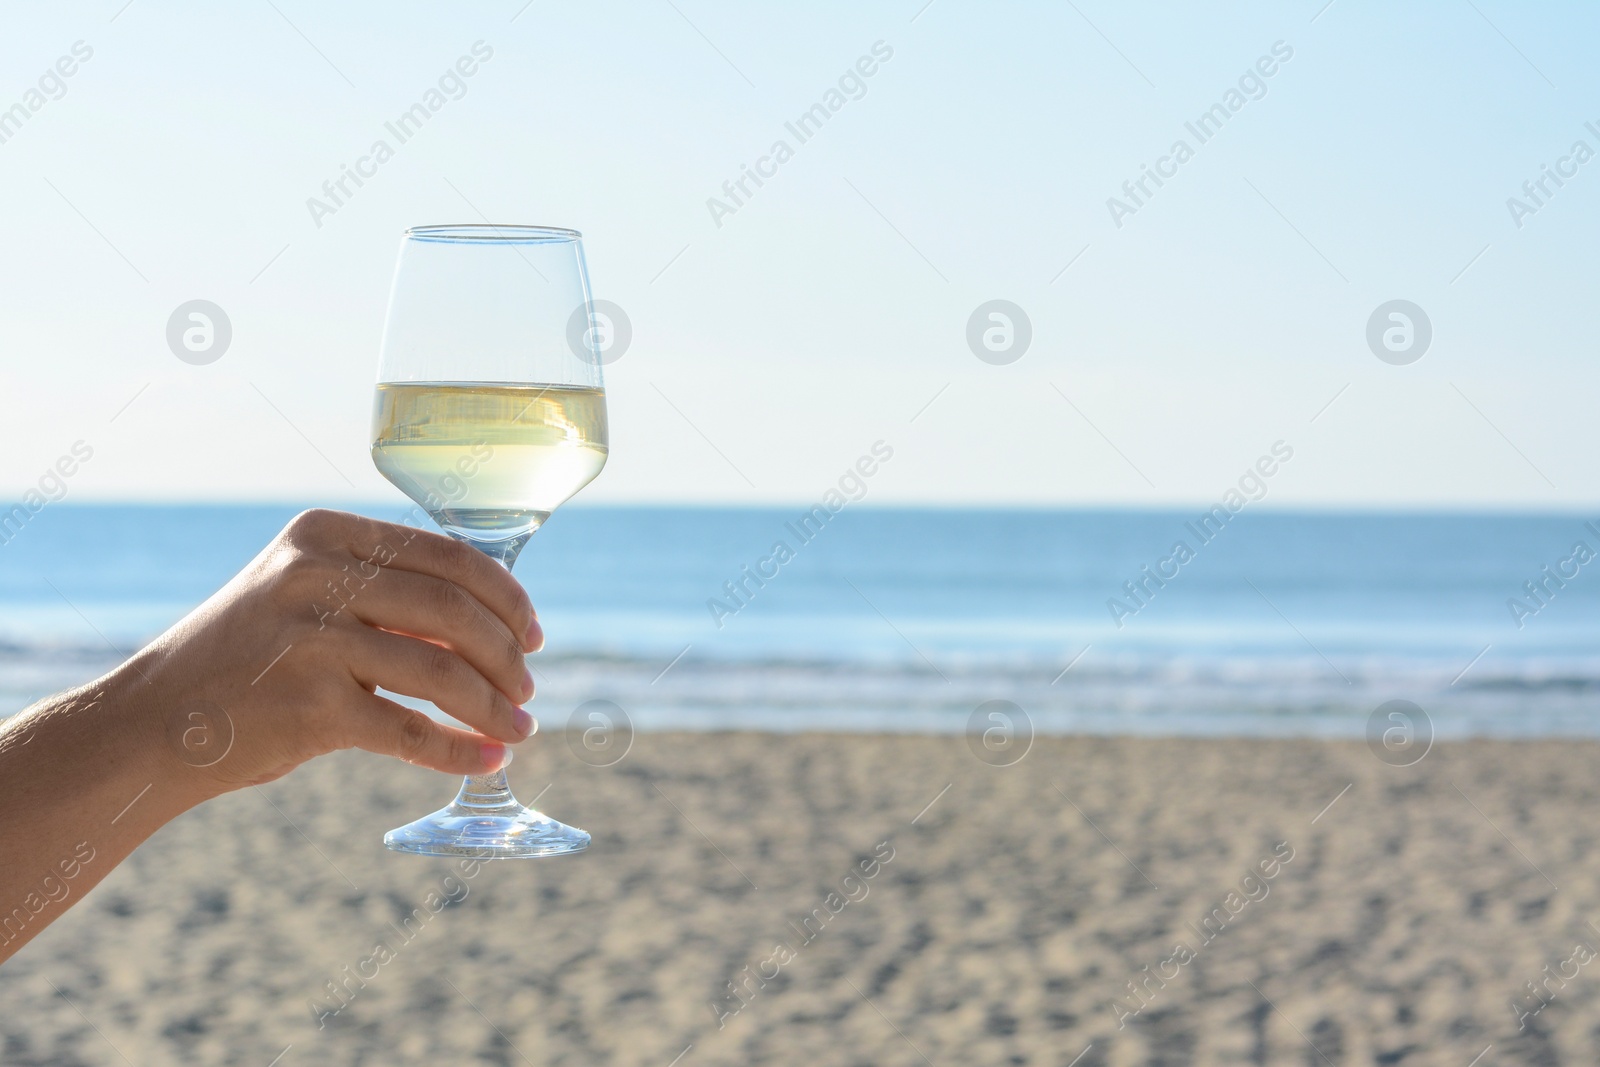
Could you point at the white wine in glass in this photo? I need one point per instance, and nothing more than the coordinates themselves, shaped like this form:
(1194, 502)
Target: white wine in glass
(490, 413)
(529, 447)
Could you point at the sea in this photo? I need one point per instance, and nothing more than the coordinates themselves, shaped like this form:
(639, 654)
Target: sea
(1271, 623)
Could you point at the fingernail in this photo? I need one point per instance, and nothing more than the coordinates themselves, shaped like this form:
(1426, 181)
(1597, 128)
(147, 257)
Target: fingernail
(522, 722)
(534, 639)
(527, 683)
(495, 756)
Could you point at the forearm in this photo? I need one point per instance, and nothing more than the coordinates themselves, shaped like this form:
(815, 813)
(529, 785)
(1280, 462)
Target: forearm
(85, 777)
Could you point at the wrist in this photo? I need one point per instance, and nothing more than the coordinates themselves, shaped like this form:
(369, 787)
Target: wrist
(139, 739)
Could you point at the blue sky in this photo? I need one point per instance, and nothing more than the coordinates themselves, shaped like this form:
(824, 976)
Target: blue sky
(827, 311)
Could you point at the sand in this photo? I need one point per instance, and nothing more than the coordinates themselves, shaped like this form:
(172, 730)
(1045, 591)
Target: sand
(1005, 912)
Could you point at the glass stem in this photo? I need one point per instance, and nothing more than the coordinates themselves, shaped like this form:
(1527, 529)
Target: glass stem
(486, 794)
(491, 793)
(504, 552)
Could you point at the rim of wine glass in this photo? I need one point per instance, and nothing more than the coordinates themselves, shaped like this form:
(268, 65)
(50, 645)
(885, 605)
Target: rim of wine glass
(490, 233)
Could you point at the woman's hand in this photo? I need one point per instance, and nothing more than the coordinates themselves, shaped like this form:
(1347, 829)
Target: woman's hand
(280, 665)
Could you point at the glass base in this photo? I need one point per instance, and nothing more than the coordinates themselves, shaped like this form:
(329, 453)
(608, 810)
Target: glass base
(486, 822)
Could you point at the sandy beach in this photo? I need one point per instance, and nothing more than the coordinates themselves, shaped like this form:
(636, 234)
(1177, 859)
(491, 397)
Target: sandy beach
(859, 900)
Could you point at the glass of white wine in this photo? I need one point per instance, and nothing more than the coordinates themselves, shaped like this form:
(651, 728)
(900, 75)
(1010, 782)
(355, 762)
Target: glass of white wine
(490, 413)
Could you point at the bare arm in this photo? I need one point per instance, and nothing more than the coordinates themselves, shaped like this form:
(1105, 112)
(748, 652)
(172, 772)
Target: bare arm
(276, 668)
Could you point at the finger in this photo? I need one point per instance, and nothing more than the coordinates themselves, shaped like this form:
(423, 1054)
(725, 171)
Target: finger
(375, 543)
(431, 672)
(444, 557)
(391, 729)
(436, 610)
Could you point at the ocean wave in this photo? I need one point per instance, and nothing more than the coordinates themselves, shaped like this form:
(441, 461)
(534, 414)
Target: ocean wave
(1176, 692)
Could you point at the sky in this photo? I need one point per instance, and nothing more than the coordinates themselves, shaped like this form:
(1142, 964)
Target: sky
(777, 338)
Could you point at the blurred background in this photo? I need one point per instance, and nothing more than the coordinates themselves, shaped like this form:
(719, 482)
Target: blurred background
(1223, 377)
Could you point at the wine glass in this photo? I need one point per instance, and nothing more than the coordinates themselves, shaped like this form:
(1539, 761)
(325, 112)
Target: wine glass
(489, 413)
